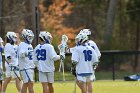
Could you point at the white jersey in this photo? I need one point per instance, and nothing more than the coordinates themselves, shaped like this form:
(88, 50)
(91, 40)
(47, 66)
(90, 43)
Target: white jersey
(45, 55)
(11, 50)
(0, 56)
(94, 46)
(25, 62)
(85, 56)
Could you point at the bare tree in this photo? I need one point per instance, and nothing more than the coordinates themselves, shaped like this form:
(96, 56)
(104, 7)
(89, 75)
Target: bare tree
(1, 23)
(110, 20)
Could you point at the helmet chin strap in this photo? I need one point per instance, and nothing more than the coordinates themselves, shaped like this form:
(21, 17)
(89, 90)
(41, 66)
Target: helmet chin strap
(26, 40)
(47, 41)
(12, 41)
(78, 44)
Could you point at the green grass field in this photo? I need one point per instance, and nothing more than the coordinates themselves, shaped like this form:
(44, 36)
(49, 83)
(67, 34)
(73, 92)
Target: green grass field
(98, 87)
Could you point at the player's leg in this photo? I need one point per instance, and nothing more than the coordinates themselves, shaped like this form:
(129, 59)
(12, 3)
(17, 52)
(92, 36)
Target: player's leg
(83, 87)
(89, 87)
(30, 87)
(27, 76)
(45, 87)
(25, 80)
(78, 84)
(50, 86)
(30, 76)
(18, 85)
(6, 81)
(16, 75)
(50, 76)
(89, 83)
(0, 86)
(24, 88)
(82, 83)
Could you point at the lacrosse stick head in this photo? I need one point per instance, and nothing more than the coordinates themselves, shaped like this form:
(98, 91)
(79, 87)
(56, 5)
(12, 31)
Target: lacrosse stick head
(64, 39)
(63, 44)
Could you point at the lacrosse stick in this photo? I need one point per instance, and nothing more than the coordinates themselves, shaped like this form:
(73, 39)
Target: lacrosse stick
(62, 47)
(74, 85)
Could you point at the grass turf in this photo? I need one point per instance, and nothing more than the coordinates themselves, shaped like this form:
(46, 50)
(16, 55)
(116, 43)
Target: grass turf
(98, 87)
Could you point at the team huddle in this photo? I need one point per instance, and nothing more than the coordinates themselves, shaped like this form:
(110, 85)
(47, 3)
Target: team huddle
(22, 59)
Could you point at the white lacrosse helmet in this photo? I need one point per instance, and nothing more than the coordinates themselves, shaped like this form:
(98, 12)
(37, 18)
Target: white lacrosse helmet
(81, 38)
(45, 36)
(27, 35)
(86, 31)
(11, 36)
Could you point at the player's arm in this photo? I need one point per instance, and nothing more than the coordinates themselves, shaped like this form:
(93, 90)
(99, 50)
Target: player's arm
(1, 43)
(53, 54)
(95, 60)
(7, 53)
(22, 52)
(75, 60)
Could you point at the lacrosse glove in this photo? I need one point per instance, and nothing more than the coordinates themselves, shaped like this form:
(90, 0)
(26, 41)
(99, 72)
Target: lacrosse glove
(95, 65)
(73, 71)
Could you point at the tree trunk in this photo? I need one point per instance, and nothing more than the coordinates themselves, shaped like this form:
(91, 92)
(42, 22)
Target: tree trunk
(1, 22)
(110, 21)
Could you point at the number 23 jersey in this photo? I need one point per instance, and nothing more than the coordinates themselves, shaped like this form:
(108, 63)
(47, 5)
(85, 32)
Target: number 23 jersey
(25, 52)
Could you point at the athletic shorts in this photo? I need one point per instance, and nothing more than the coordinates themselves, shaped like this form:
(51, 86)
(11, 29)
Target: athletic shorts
(27, 75)
(46, 77)
(86, 78)
(11, 73)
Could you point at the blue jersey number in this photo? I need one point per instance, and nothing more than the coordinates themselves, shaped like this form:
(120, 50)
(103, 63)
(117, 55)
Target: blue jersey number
(30, 55)
(87, 54)
(41, 54)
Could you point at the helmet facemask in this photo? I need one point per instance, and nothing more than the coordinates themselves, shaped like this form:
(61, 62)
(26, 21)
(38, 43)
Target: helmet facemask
(28, 36)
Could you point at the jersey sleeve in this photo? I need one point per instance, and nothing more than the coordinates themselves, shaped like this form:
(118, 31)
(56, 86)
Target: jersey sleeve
(95, 47)
(21, 51)
(53, 54)
(75, 56)
(95, 57)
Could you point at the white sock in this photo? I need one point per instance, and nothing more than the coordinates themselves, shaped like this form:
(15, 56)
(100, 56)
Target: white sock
(19, 92)
(2, 92)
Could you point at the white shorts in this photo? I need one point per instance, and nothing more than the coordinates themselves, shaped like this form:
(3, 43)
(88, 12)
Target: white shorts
(27, 75)
(86, 78)
(46, 77)
(11, 73)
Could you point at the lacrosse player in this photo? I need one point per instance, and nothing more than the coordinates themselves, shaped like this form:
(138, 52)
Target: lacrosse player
(44, 57)
(91, 42)
(11, 61)
(83, 59)
(1, 68)
(26, 64)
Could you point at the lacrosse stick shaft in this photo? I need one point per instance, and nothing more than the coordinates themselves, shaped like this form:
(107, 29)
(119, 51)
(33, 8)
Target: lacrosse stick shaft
(74, 86)
(60, 67)
(63, 71)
